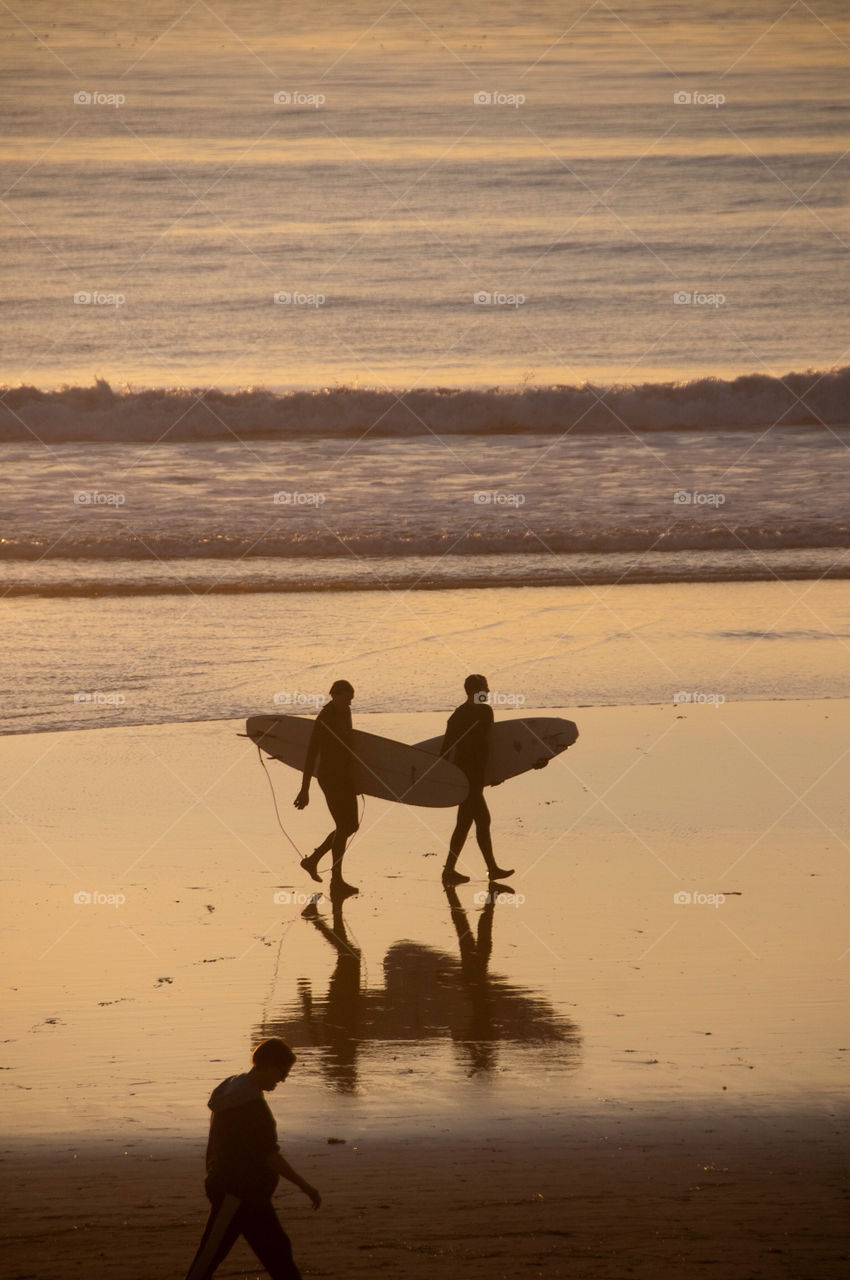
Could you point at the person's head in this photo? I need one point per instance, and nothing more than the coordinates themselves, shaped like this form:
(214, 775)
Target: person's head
(342, 691)
(272, 1061)
(477, 688)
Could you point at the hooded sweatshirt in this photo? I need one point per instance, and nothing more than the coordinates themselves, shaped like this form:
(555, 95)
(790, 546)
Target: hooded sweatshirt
(243, 1134)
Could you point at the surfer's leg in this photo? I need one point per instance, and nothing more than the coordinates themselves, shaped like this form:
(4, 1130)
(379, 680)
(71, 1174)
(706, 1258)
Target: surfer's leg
(465, 814)
(485, 844)
(343, 806)
(311, 863)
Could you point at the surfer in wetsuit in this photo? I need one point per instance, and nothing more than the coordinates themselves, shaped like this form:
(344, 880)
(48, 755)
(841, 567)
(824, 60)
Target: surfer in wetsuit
(466, 743)
(330, 743)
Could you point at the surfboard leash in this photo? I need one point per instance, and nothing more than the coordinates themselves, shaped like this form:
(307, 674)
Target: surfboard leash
(276, 810)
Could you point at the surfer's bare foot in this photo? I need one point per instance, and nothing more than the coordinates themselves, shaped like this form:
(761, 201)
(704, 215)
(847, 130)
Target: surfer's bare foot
(339, 889)
(499, 873)
(454, 877)
(310, 866)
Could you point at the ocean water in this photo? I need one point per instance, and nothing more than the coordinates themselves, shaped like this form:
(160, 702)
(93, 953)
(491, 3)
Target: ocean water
(357, 301)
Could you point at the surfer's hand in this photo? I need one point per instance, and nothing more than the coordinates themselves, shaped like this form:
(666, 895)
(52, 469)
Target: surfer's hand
(302, 799)
(541, 764)
(315, 1198)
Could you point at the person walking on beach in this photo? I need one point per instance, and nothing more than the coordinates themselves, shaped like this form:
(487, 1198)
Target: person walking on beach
(330, 744)
(243, 1166)
(466, 743)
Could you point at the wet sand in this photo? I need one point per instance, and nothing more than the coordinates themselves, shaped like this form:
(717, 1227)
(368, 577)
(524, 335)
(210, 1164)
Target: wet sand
(669, 1076)
(732, 1194)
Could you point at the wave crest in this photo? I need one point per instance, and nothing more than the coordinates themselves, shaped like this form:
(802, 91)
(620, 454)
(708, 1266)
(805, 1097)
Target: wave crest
(98, 412)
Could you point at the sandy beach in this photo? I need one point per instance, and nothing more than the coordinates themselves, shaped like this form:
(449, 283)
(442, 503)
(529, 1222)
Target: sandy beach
(425, 352)
(585, 1077)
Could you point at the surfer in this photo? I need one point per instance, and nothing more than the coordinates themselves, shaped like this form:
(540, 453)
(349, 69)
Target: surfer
(466, 743)
(330, 743)
(243, 1166)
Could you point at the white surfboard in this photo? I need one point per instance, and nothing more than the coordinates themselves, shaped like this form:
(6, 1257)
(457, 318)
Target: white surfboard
(384, 768)
(519, 745)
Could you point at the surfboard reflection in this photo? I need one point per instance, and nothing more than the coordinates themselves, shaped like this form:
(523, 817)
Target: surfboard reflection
(426, 994)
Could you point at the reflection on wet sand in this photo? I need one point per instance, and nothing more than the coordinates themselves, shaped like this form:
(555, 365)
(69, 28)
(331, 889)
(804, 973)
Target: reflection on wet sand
(426, 994)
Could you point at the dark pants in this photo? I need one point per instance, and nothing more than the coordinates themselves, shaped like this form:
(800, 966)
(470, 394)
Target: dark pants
(472, 809)
(258, 1223)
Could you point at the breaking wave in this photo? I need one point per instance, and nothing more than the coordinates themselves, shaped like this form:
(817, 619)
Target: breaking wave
(813, 398)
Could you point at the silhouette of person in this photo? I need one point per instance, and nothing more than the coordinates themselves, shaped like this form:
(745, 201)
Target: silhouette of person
(341, 1022)
(466, 743)
(475, 951)
(426, 994)
(330, 744)
(243, 1166)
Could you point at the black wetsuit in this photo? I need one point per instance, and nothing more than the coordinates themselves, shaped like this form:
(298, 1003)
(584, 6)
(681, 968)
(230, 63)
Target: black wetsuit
(466, 743)
(331, 742)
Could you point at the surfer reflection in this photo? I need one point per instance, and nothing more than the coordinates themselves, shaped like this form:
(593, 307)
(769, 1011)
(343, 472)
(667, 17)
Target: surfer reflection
(427, 994)
(330, 744)
(337, 1025)
(466, 744)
